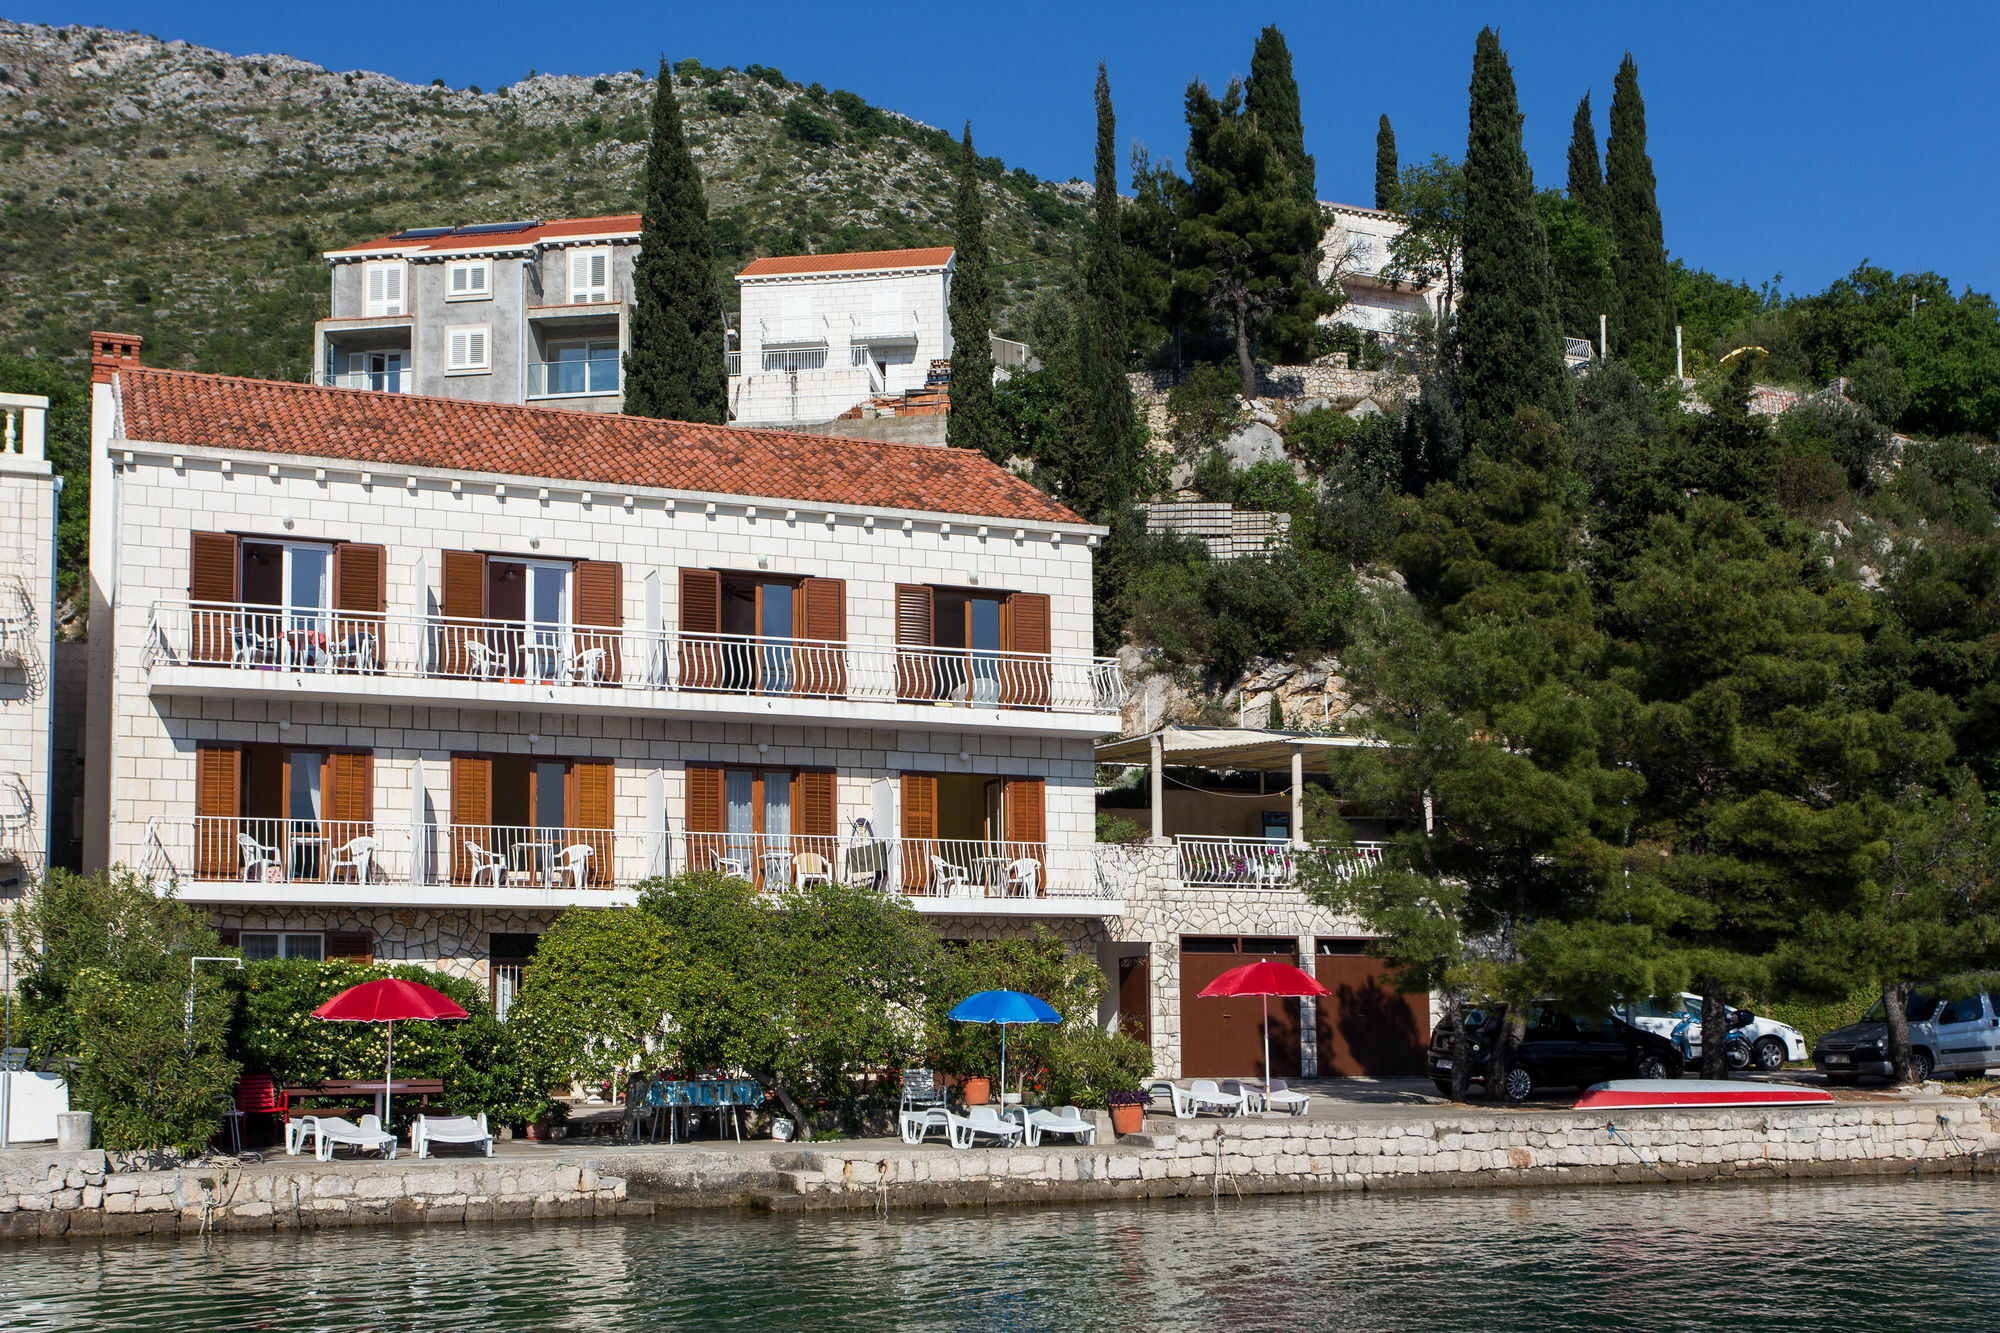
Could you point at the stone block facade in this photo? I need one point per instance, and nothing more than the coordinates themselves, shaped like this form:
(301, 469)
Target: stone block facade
(28, 491)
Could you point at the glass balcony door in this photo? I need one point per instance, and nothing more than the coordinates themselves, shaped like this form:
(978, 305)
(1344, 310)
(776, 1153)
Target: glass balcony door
(583, 367)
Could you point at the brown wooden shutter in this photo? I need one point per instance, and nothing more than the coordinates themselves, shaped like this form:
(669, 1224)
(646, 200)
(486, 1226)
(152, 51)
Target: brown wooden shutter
(350, 799)
(591, 793)
(464, 601)
(823, 670)
(701, 614)
(703, 815)
(600, 602)
(214, 575)
(360, 595)
(471, 812)
(351, 946)
(818, 805)
(1027, 824)
(919, 829)
(218, 802)
(1028, 637)
(917, 676)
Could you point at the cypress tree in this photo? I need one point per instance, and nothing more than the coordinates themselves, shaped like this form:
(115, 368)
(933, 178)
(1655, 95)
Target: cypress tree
(1645, 331)
(1586, 181)
(1271, 99)
(1387, 170)
(675, 368)
(1510, 348)
(1112, 421)
(972, 424)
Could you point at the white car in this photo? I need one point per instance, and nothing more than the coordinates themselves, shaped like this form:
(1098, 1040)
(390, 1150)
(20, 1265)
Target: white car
(1771, 1042)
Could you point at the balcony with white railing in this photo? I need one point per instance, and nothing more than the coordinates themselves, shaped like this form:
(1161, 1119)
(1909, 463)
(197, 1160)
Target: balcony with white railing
(376, 862)
(883, 328)
(377, 381)
(230, 648)
(596, 376)
(1258, 863)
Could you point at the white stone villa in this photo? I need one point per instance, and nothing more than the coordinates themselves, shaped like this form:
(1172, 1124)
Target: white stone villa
(1356, 247)
(387, 676)
(28, 490)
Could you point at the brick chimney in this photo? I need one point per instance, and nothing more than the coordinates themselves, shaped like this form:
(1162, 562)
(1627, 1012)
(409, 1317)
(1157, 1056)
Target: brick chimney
(110, 353)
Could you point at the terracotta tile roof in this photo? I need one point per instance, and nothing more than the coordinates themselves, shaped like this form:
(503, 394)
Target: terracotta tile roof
(616, 225)
(406, 430)
(935, 256)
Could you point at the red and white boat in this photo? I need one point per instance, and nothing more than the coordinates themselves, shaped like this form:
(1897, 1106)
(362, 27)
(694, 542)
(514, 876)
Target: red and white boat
(1641, 1094)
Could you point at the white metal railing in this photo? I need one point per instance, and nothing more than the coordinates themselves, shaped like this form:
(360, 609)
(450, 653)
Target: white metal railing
(733, 362)
(257, 638)
(506, 980)
(1259, 863)
(381, 381)
(1577, 350)
(882, 329)
(786, 361)
(23, 426)
(573, 379)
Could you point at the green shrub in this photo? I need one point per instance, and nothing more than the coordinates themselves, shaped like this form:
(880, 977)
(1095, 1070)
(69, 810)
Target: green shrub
(1204, 409)
(1040, 965)
(596, 999)
(1084, 1065)
(801, 124)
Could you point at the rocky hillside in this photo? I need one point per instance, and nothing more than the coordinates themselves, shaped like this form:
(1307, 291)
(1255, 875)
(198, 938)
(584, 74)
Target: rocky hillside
(186, 194)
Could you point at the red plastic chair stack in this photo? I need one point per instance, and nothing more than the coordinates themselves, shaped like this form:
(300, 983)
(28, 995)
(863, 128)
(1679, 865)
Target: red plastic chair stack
(258, 1094)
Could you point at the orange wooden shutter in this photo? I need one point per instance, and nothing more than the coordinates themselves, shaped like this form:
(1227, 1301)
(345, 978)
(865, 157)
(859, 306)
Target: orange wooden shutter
(916, 673)
(1028, 636)
(464, 600)
(351, 946)
(471, 811)
(818, 807)
(591, 792)
(218, 801)
(823, 670)
(600, 602)
(919, 829)
(214, 574)
(350, 797)
(701, 614)
(703, 816)
(1027, 824)
(360, 595)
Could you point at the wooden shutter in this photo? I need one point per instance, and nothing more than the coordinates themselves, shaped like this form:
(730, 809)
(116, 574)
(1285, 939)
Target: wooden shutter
(701, 615)
(351, 946)
(591, 791)
(350, 798)
(463, 605)
(917, 677)
(1028, 638)
(919, 829)
(215, 570)
(1027, 824)
(230, 937)
(218, 803)
(360, 595)
(600, 605)
(471, 812)
(823, 670)
(816, 809)
(703, 815)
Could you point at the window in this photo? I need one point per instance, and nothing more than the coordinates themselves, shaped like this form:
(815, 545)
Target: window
(589, 276)
(384, 284)
(467, 281)
(796, 309)
(260, 946)
(586, 366)
(1967, 1009)
(468, 348)
(385, 371)
(969, 647)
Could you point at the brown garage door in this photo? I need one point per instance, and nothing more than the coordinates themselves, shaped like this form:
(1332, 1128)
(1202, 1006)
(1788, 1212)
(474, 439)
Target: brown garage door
(1224, 1038)
(1365, 1026)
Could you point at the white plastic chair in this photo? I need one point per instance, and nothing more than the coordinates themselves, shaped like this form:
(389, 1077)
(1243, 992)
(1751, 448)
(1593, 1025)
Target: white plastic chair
(354, 650)
(948, 880)
(982, 1122)
(1207, 1095)
(573, 861)
(1068, 1121)
(247, 647)
(1024, 878)
(297, 1131)
(1178, 1100)
(587, 667)
(430, 1129)
(1278, 1096)
(730, 866)
(258, 860)
(812, 868)
(484, 861)
(331, 1131)
(481, 661)
(358, 855)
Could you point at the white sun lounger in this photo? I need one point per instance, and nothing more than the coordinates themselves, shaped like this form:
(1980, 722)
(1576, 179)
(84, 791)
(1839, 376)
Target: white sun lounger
(982, 1120)
(430, 1129)
(1207, 1095)
(330, 1131)
(1067, 1120)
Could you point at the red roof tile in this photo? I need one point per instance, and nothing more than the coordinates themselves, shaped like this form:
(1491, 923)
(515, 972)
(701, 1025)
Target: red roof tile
(617, 225)
(405, 430)
(935, 256)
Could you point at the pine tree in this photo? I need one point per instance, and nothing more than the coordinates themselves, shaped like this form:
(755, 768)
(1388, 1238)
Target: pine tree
(1387, 171)
(1580, 263)
(1148, 229)
(675, 367)
(972, 424)
(1586, 179)
(1645, 332)
(1271, 100)
(1510, 349)
(1113, 423)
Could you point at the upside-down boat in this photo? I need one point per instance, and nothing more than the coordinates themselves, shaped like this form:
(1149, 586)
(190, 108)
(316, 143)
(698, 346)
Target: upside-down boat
(1641, 1094)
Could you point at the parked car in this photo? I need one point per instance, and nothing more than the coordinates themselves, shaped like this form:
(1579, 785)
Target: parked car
(1561, 1048)
(1960, 1036)
(1770, 1042)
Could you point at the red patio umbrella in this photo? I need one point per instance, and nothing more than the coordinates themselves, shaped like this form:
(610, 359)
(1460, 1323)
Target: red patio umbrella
(1264, 978)
(385, 1001)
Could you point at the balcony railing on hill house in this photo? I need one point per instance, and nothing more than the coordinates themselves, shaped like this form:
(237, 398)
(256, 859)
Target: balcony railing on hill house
(381, 381)
(1256, 863)
(251, 638)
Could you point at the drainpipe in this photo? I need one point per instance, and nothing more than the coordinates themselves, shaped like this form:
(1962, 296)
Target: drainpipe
(55, 595)
(1159, 791)
(1298, 795)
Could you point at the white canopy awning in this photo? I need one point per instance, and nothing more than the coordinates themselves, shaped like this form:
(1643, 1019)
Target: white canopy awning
(1241, 748)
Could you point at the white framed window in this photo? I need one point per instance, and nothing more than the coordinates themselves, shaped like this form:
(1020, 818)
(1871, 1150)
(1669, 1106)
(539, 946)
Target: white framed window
(590, 276)
(468, 348)
(260, 945)
(468, 280)
(384, 286)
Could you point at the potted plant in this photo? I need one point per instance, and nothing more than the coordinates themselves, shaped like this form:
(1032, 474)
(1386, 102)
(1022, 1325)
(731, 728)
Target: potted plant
(977, 1089)
(1128, 1111)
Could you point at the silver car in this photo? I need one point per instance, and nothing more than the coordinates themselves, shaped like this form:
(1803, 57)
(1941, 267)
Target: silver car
(1960, 1036)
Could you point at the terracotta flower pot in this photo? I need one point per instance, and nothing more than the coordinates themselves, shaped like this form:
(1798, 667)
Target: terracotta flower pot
(538, 1131)
(977, 1090)
(1128, 1119)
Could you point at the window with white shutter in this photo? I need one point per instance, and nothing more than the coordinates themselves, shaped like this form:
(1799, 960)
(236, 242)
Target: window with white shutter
(467, 281)
(468, 347)
(384, 283)
(589, 276)
(797, 311)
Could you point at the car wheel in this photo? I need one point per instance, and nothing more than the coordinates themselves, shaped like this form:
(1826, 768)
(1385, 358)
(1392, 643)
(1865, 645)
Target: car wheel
(1768, 1054)
(1520, 1084)
(1921, 1065)
(1653, 1065)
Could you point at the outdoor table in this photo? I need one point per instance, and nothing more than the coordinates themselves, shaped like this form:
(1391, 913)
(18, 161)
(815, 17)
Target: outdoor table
(990, 873)
(308, 849)
(534, 857)
(381, 1089)
(777, 869)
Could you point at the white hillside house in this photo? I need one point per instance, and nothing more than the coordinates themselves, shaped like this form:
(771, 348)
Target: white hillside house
(1355, 252)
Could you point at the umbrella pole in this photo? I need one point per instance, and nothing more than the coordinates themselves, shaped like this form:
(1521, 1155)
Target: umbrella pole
(388, 1074)
(1267, 1043)
(1003, 1068)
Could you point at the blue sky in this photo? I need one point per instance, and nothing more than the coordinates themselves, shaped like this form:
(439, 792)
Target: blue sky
(1800, 138)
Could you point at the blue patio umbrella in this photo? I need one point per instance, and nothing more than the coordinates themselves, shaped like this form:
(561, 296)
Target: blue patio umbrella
(1003, 1007)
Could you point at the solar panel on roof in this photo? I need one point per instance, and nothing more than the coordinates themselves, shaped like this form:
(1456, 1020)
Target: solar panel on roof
(420, 233)
(494, 228)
